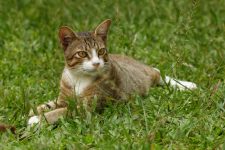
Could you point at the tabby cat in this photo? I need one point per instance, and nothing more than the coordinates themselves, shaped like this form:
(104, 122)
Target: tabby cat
(91, 72)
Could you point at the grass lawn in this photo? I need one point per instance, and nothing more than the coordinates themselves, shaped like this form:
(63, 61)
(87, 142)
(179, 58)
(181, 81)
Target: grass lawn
(183, 38)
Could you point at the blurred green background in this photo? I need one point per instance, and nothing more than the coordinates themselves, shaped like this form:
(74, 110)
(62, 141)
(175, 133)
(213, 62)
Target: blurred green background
(184, 39)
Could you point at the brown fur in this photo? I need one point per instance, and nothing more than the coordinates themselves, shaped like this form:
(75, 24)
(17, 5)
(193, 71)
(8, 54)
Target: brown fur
(122, 77)
(4, 128)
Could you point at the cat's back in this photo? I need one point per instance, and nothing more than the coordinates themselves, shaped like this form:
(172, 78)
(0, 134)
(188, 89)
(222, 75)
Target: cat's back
(132, 75)
(123, 60)
(129, 65)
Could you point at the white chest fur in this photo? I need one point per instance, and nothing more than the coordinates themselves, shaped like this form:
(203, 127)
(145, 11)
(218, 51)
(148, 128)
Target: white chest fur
(78, 81)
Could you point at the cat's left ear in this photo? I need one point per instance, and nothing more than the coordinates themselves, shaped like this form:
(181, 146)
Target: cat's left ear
(102, 29)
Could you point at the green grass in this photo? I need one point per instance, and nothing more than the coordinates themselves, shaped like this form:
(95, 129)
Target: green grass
(184, 39)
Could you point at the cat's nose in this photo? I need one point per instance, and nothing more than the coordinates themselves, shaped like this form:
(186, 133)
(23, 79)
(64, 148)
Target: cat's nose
(96, 64)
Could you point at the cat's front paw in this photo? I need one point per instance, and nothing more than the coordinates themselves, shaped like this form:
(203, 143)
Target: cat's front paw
(33, 120)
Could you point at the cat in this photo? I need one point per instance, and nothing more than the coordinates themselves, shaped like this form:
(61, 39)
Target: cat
(91, 72)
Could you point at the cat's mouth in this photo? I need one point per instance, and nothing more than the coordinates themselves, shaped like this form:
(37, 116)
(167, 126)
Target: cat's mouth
(98, 71)
(95, 71)
(88, 72)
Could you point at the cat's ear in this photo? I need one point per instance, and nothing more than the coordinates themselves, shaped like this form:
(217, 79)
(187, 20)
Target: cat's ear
(102, 29)
(66, 36)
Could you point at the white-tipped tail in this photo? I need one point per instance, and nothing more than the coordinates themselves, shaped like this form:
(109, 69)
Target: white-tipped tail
(178, 84)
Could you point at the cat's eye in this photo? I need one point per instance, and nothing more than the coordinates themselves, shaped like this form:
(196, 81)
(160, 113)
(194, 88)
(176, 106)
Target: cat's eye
(81, 54)
(101, 51)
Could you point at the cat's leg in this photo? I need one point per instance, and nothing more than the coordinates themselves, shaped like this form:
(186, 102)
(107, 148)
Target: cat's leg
(51, 105)
(51, 117)
(60, 102)
(175, 83)
(56, 108)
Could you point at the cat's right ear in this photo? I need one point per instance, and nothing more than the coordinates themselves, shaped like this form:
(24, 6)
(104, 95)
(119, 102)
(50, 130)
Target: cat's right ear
(66, 36)
(102, 29)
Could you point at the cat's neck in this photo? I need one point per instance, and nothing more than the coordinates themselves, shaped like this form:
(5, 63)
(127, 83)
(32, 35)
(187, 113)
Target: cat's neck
(78, 81)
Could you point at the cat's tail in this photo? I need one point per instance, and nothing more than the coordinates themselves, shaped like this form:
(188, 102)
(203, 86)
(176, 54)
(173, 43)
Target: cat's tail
(176, 84)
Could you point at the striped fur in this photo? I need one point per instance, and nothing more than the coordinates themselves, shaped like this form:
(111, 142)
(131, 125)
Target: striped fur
(90, 72)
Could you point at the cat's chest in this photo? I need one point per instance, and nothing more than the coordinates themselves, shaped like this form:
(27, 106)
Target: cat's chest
(79, 83)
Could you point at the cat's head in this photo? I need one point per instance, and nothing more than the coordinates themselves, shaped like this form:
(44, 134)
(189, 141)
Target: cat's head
(86, 52)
